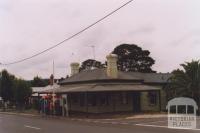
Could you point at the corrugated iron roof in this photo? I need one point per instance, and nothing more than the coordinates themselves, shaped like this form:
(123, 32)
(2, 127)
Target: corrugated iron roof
(100, 74)
(102, 87)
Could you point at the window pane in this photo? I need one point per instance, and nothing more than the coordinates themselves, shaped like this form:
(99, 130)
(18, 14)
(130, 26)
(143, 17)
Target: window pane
(152, 97)
(124, 98)
(181, 109)
(190, 109)
(82, 99)
(104, 98)
(91, 99)
(74, 98)
(173, 109)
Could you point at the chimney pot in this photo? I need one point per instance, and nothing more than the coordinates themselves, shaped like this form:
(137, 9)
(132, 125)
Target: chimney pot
(74, 68)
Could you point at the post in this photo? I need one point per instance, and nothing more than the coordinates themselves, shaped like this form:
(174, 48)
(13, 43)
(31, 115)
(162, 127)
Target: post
(160, 107)
(66, 106)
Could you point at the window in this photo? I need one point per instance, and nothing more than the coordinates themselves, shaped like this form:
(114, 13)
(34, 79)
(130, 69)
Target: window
(173, 109)
(82, 99)
(181, 109)
(153, 97)
(91, 99)
(75, 98)
(124, 98)
(190, 109)
(104, 99)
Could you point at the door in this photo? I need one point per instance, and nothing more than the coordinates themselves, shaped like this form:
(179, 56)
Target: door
(136, 102)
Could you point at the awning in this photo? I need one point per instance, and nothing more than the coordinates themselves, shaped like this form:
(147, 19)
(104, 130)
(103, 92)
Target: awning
(48, 88)
(102, 87)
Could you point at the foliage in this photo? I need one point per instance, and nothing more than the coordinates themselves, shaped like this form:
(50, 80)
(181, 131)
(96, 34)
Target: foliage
(185, 82)
(133, 58)
(22, 91)
(13, 89)
(39, 82)
(7, 86)
(90, 64)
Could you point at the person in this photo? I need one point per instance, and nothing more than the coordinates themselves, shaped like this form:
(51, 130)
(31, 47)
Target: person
(51, 107)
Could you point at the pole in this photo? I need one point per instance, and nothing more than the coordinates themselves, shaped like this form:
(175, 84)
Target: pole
(67, 107)
(160, 100)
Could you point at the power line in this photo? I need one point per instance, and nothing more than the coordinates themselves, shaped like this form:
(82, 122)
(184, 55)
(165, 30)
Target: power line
(69, 38)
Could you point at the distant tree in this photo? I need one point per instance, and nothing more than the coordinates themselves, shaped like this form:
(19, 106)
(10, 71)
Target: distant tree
(185, 82)
(91, 63)
(7, 86)
(39, 82)
(132, 58)
(22, 92)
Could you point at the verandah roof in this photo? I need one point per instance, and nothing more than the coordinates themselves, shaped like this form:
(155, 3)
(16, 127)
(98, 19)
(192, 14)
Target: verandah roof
(102, 87)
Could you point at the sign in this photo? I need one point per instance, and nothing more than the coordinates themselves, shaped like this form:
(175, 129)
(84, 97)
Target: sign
(182, 113)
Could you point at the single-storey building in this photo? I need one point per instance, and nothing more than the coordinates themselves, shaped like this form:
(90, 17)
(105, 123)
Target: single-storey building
(109, 90)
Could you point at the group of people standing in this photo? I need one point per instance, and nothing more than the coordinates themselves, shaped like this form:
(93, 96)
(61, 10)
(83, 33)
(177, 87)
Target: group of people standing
(50, 106)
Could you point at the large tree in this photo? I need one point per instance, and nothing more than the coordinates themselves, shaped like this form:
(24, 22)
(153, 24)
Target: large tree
(22, 92)
(90, 64)
(185, 82)
(7, 86)
(132, 58)
(39, 82)
(13, 89)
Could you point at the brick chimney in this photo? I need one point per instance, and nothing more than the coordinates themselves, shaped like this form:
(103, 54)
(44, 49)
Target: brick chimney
(74, 68)
(112, 71)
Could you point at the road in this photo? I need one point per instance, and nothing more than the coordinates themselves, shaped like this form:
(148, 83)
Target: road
(26, 124)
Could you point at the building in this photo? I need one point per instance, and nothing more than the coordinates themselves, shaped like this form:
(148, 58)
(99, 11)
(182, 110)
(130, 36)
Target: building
(108, 90)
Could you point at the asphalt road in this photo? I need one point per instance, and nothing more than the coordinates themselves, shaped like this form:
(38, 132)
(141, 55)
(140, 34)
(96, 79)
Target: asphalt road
(25, 124)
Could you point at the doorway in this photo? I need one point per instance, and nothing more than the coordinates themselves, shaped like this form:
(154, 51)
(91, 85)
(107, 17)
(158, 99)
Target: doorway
(136, 102)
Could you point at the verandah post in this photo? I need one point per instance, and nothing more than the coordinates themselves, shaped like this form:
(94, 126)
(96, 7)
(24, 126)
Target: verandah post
(160, 100)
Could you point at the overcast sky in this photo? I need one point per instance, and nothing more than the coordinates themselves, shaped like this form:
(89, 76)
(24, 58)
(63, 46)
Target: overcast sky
(169, 29)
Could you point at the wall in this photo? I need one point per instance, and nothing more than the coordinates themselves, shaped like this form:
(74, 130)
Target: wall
(115, 103)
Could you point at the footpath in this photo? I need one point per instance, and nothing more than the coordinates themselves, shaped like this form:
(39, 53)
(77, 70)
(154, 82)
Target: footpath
(101, 116)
